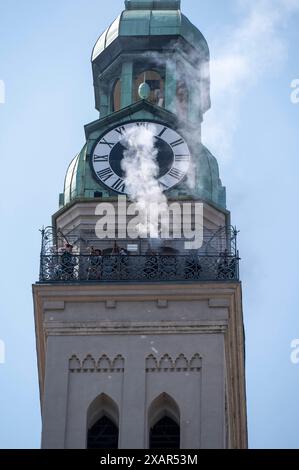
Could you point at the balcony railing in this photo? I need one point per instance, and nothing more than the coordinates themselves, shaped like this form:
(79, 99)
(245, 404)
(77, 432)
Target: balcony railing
(138, 268)
(209, 264)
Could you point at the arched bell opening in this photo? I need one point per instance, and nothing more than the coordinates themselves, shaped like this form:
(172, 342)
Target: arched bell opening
(102, 424)
(156, 85)
(164, 423)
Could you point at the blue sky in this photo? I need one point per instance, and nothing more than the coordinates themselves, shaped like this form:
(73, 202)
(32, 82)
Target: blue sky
(45, 64)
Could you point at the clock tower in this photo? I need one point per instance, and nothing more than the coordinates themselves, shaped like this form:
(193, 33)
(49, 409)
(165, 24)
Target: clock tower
(140, 338)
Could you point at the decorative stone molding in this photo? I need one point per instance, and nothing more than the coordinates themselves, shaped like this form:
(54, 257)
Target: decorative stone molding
(167, 364)
(104, 364)
(219, 303)
(195, 363)
(90, 364)
(54, 305)
(54, 328)
(75, 364)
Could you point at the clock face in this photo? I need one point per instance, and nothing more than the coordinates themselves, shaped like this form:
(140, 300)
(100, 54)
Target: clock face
(173, 156)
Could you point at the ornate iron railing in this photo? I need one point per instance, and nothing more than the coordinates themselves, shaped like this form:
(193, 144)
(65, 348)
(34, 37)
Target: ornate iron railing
(61, 268)
(209, 264)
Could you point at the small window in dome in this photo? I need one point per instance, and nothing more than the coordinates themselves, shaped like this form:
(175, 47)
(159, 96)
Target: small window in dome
(156, 87)
(116, 96)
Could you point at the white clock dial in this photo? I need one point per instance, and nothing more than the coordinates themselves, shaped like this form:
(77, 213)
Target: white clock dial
(173, 157)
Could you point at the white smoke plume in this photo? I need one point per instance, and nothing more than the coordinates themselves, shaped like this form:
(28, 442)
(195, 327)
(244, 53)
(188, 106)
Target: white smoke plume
(239, 60)
(141, 170)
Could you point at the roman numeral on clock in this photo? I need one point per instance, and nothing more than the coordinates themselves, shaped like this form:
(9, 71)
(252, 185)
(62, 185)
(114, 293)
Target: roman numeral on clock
(177, 174)
(162, 132)
(177, 142)
(182, 158)
(100, 158)
(120, 130)
(105, 174)
(119, 185)
(143, 124)
(105, 142)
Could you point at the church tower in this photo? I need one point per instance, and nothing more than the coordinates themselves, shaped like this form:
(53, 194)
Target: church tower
(140, 341)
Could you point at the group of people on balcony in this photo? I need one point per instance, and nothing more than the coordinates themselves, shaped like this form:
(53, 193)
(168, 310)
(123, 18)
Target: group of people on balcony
(96, 260)
(69, 268)
(65, 269)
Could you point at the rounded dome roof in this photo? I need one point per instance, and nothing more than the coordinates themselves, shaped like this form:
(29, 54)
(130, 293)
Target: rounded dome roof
(70, 182)
(149, 23)
(79, 182)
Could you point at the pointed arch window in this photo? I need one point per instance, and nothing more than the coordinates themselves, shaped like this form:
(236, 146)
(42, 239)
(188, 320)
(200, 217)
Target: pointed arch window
(164, 423)
(103, 435)
(165, 434)
(102, 424)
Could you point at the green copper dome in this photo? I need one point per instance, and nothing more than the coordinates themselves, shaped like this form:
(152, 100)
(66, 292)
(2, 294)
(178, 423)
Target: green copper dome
(153, 4)
(149, 18)
(79, 182)
(124, 65)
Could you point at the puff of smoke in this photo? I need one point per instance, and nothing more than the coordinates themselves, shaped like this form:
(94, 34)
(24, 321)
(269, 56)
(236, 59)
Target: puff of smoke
(141, 171)
(196, 80)
(251, 50)
(240, 58)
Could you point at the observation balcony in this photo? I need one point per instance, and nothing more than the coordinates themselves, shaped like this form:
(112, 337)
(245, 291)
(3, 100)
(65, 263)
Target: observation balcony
(73, 259)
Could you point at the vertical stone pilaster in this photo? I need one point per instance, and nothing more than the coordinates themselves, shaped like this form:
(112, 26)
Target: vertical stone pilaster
(54, 406)
(104, 106)
(133, 405)
(195, 107)
(213, 397)
(126, 84)
(170, 87)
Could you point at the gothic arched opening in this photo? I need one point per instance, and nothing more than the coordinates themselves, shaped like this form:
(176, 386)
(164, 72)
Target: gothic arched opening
(164, 423)
(102, 424)
(165, 434)
(103, 435)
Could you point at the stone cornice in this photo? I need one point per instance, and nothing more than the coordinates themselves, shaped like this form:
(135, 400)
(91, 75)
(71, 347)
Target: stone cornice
(133, 328)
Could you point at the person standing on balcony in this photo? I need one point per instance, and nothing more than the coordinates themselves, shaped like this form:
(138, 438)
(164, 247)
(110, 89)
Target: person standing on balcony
(115, 250)
(67, 262)
(95, 265)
